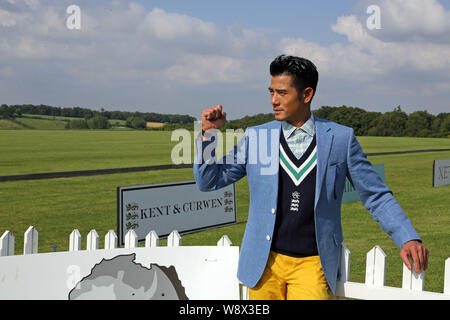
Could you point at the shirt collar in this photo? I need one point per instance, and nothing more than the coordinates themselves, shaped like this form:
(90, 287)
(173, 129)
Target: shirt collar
(308, 127)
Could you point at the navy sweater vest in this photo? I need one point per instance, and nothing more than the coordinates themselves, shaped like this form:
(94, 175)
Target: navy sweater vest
(294, 232)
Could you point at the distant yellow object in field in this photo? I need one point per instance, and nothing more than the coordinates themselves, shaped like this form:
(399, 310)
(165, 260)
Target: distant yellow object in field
(155, 124)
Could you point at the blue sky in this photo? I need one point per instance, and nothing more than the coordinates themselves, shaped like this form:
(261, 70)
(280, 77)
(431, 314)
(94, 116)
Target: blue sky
(183, 56)
(309, 19)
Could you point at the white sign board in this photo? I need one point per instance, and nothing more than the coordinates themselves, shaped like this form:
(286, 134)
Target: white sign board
(441, 173)
(177, 206)
(160, 273)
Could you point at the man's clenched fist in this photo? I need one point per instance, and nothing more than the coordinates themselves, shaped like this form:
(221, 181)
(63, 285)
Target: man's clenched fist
(213, 118)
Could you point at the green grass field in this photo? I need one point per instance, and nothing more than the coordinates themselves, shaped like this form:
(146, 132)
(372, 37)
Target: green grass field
(57, 206)
(32, 151)
(45, 122)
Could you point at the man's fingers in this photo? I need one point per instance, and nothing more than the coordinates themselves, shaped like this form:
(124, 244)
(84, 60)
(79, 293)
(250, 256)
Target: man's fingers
(213, 118)
(218, 112)
(415, 257)
(405, 259)
(425, 258)
(213, 113)
(420, 255)
(210, 115)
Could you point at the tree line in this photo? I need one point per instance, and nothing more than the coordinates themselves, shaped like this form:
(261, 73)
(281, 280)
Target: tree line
(13, 111)
(396, 123)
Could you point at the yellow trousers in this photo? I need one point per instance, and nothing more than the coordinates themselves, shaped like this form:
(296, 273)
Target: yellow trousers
(290, 278)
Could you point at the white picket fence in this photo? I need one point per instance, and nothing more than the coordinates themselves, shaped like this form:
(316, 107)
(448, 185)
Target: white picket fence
(374, 287)
(92, 243)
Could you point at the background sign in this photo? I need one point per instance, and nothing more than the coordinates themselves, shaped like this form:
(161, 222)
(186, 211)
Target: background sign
(441, 173)
(177, 206)
(351, 195)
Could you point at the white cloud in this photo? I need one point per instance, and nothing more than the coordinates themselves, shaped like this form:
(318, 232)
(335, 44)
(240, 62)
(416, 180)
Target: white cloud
(10, 19)
(422, 17)
(198, 69)
(412, 20)
(170, 26)
(7, 19)
(132, 40)
(335, 60)
(367, 56)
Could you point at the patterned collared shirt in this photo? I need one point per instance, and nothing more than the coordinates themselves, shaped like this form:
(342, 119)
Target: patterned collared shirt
(299, 139)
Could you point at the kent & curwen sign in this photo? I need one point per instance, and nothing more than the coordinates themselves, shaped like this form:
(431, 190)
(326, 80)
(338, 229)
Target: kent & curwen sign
(177, 206)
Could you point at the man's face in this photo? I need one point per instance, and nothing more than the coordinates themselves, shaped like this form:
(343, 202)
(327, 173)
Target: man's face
(284, 98)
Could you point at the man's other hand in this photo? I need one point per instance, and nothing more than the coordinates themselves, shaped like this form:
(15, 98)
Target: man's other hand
(418, 253)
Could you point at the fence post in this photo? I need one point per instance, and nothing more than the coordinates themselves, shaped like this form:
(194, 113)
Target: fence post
(224, 241)
(111, 240)
(344, 264)
(447, 277)
(343, 272)
(30, 244)
(7, 244)
(92, 240)
(244, 291)
(412, 280)
(375, 267)
(131, 239)
(75, 240)
(152, 239)
(174, 239)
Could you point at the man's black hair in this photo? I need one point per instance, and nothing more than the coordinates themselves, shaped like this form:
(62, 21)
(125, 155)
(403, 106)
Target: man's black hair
(304, 72)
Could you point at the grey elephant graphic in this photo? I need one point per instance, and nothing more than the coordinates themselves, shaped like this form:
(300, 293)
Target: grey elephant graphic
(120, 278)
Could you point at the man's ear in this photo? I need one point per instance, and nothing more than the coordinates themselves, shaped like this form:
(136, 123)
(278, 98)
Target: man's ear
(307, 94)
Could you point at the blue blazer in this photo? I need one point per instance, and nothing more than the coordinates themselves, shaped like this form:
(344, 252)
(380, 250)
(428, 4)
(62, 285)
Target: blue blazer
(339, 155)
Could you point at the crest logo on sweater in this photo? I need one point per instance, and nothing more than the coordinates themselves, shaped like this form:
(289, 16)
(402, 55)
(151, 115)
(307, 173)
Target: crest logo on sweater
(295, 201)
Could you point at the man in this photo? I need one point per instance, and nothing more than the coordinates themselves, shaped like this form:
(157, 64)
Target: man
(291, 244)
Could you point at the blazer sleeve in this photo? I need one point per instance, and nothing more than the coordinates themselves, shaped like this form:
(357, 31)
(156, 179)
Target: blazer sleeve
(376, 196)
(211, 173)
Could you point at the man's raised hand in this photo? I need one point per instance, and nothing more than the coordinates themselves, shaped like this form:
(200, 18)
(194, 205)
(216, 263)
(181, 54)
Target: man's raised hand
(213, 118)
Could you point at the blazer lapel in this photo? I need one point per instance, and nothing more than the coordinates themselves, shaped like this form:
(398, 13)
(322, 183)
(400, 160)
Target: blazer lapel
(324, 138)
